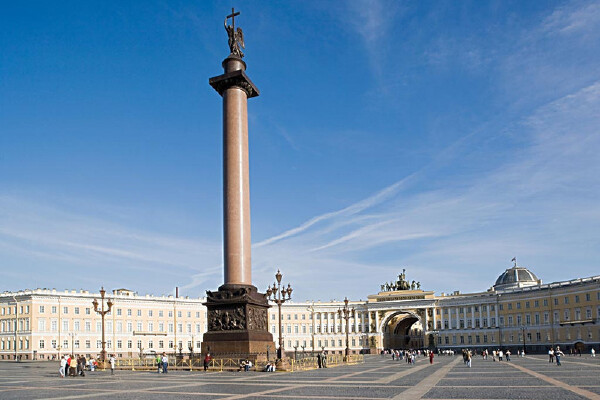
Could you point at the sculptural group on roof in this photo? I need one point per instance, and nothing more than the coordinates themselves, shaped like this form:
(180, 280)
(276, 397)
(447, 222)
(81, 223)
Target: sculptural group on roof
(400, 284)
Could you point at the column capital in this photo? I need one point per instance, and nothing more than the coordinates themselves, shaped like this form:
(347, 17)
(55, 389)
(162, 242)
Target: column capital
(237, 78)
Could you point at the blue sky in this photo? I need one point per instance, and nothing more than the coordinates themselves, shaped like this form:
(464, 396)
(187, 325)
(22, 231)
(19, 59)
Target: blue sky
(440, 137)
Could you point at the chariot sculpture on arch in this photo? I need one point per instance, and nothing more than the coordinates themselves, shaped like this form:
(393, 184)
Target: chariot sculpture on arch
(236, 37)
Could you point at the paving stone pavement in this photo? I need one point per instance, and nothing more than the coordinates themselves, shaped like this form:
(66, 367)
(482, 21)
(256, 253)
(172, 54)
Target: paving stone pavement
(530, 377)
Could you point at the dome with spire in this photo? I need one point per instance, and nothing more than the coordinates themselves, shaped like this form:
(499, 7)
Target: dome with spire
(516, 277)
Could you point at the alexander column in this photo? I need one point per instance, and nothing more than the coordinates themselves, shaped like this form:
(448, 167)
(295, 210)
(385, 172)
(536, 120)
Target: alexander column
(237, 313)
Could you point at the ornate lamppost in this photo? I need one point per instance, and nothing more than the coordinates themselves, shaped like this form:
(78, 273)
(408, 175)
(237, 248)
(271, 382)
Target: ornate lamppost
(102, 313)
(523, 328)
(73, 335)
(191, 348)
(347, 313)
(277, 294)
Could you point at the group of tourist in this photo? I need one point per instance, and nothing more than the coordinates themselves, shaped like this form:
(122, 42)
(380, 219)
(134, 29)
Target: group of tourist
(322, 360)
(71, 365)
(245, 365)
(162, 363)
(555, 354)
(410, 355)
(270, 367)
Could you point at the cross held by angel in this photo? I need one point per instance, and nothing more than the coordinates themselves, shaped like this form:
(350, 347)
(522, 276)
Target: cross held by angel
(236, 37)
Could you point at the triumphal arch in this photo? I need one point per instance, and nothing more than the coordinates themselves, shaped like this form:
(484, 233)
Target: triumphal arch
(401, 315)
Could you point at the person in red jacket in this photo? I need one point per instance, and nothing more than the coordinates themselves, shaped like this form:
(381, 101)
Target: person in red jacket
(431, 357)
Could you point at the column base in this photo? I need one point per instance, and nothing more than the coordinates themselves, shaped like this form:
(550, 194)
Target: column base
(238, 323)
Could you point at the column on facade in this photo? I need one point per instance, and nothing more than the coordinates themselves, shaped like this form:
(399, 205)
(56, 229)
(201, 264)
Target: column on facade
(496, 315)
(473, 316)
(376, 321)
(435, 318)
(426, 324)
(441, 318)
(488, 315)
(457, 318)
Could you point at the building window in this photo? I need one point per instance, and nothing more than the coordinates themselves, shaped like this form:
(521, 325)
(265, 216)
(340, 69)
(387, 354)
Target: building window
(566, 300)
(149, 313)
(42, 309)
(77, 310)
(42, 344)
(576, 298)
(139, 313)
(119, 312)
(545, 302)
(129, 312)
(536, 303)
(88, 344)
(160, 313)
(65, 310)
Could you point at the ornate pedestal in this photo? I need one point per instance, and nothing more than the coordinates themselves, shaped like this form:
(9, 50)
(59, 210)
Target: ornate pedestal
(237, 322)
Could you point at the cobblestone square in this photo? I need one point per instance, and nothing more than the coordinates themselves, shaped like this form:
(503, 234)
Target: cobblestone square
(530, 377)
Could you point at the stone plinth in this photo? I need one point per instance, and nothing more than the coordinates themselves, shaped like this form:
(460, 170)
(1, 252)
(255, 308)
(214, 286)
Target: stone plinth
(237, 322)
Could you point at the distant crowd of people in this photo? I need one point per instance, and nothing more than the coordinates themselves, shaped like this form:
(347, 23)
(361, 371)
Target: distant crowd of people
(71, 365)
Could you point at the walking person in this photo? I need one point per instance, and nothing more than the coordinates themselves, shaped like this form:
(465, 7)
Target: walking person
(593, 352)
(72, 366)
(158, 364)
(557, 355)
(507, 355)
(207, 359)
(165, 363)
(468, 356)
(63, 366)
(551, 355)
(112, 361)
(431, 357)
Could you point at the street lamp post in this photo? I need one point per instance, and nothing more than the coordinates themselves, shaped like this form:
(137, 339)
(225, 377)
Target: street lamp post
(347, 313)
(102, 313)
(191, 348)
(311, 308)
(72, 334)
(277, 294)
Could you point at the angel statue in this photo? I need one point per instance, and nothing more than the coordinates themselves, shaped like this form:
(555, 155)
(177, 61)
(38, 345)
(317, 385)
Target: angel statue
(236, 39)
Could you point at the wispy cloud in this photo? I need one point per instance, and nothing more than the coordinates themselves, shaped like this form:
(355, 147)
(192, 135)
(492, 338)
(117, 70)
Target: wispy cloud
(75, 244)
(523, 207)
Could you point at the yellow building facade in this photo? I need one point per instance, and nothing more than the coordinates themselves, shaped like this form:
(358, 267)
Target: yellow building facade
(517, 311)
